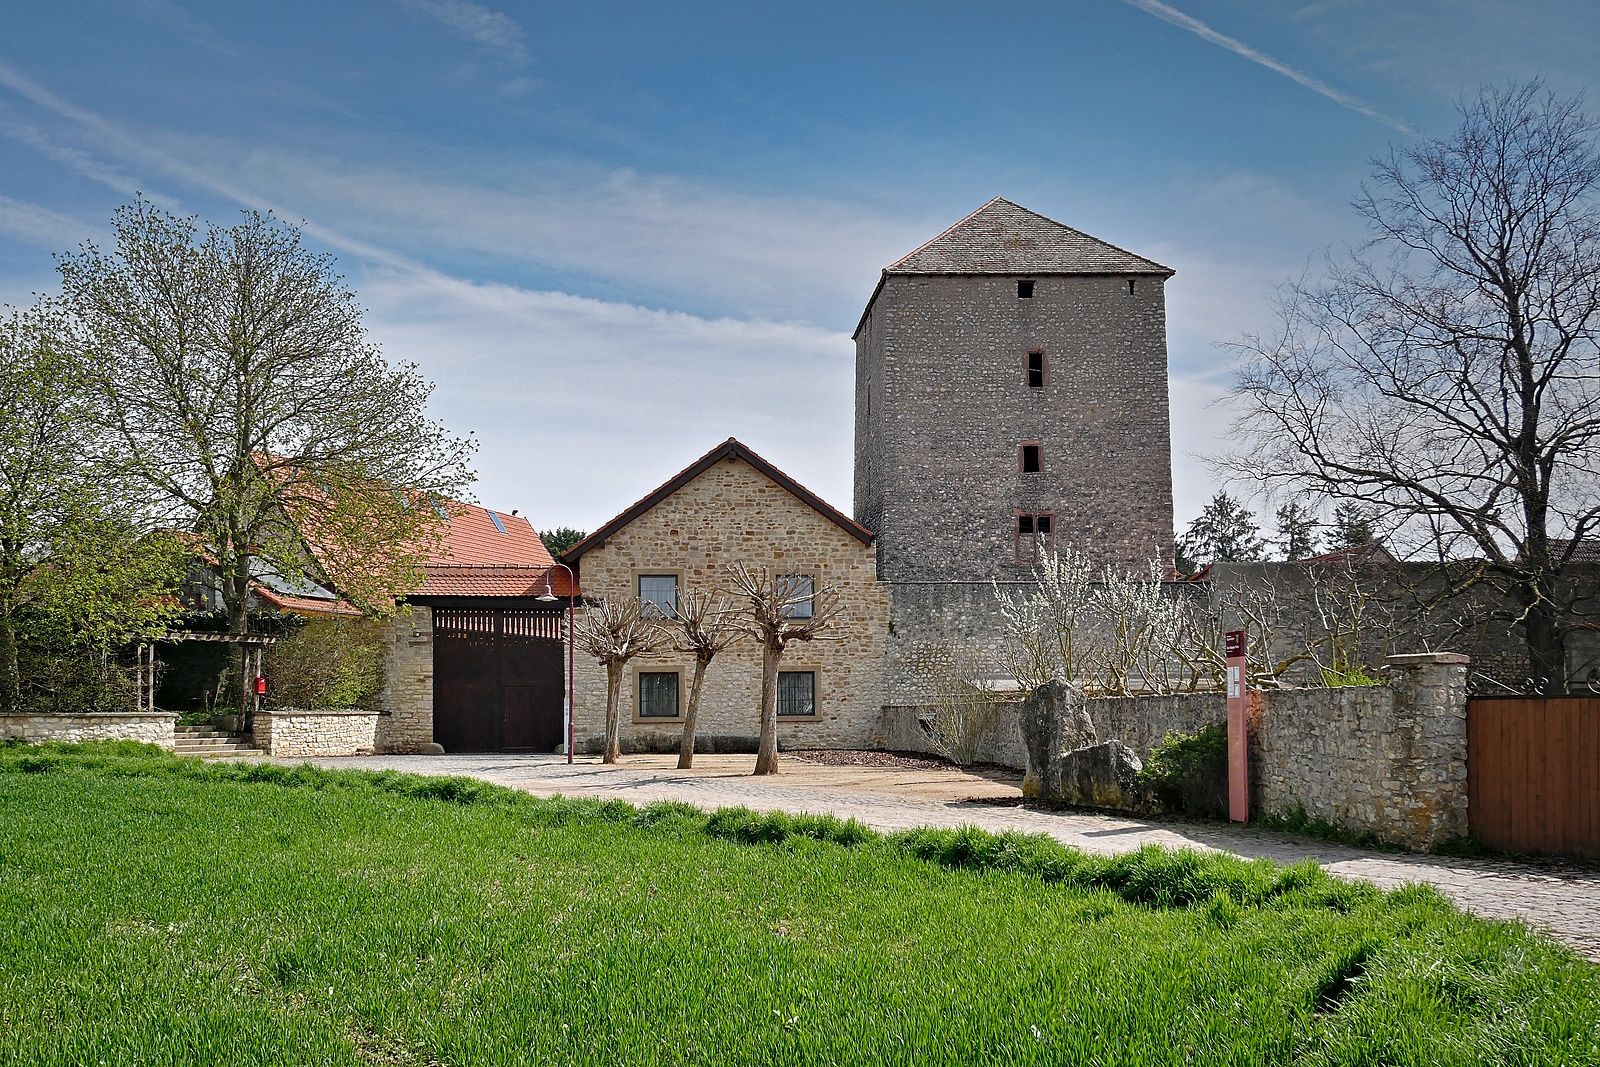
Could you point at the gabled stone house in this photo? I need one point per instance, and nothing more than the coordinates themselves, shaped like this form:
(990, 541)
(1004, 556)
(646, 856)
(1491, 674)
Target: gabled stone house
(731, 506)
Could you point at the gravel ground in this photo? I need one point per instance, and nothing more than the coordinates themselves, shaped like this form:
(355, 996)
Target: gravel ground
(903, 793)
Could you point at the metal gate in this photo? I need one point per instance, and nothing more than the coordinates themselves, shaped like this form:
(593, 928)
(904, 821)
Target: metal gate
(1533, 773)
(497, 682)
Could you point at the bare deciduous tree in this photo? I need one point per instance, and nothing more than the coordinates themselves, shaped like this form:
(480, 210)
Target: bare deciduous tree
(614, 630)
(1444, 376)
(702, 624)
(771, 612)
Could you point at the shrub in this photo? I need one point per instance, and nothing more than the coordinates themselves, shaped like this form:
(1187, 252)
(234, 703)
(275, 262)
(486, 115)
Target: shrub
(1350, 676)
(1189, 772)
(328, 663)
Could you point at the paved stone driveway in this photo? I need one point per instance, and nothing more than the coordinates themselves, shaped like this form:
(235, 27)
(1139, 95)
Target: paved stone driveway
(1565, 903)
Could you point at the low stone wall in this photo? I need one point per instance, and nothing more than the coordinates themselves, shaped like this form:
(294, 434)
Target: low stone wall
(900, 729)
(1390, 759)
(316, 732)
(154, 728)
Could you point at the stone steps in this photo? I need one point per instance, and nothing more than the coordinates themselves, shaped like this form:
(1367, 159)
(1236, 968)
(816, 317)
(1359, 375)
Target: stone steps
(203, 741)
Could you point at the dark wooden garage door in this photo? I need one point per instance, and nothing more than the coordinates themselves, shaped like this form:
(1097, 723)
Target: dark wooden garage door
(497, 681)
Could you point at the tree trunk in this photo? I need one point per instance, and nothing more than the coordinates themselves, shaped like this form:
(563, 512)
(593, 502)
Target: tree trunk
(1547, 654)
(613, 751)
(767, 752)
(690, 714)
(10, 675)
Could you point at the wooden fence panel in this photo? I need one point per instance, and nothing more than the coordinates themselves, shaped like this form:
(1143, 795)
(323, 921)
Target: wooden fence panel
(1533, 773)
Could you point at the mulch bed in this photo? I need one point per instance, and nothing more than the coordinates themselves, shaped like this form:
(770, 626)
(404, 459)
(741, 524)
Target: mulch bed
(844, 757)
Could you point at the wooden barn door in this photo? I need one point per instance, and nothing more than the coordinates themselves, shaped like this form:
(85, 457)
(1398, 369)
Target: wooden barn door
(497, 682)
(1533, 773)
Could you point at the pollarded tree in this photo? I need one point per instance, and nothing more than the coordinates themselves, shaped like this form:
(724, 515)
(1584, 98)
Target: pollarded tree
(1445, 374)
(702, 624)
(615, 630)
(777, 609)
(75, 570)
(237, 387)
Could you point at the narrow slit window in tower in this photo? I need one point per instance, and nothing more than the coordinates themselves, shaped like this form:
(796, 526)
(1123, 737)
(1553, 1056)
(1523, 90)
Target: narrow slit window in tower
(1130, 286)
(1036, 370)
(1030, 459)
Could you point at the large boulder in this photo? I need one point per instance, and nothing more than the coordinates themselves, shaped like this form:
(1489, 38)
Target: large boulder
(1055, 721)
(1105, 775)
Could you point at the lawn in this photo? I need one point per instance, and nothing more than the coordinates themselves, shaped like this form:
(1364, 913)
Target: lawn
(154, 910)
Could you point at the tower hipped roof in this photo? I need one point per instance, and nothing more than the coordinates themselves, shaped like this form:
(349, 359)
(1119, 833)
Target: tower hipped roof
(1005, 238)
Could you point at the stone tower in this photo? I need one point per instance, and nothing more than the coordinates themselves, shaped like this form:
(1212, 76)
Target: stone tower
(1011, 384)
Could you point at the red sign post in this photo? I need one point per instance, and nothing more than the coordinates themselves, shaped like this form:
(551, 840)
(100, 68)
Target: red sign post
(1238, 749)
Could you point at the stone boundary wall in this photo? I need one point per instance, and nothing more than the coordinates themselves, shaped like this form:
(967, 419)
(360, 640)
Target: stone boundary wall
(154, 728)
(1390, 759)
(316, 732)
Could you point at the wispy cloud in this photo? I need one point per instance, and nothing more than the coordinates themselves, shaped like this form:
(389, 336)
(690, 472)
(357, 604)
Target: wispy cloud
(1238, 47)
(39, 226)
(482, 26)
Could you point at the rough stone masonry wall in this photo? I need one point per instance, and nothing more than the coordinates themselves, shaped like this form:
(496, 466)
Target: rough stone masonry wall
(405, 722)
(943, 405)
(1387, 759)
(730, 513)
(151, 728)
(320, 732)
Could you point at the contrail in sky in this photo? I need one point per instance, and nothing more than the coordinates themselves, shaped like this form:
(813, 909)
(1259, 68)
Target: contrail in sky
(1200, 29)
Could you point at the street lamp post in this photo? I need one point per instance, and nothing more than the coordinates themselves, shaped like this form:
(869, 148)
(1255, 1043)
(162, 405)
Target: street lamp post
(572, 604)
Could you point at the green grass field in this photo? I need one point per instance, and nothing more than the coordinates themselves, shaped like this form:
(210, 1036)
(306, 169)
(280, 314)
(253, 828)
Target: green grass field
(154, 911)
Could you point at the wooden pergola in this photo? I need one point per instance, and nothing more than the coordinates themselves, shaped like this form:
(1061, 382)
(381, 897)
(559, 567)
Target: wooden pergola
(251, 644)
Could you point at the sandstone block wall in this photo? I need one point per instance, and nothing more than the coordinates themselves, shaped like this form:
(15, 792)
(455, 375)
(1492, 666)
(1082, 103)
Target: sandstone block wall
(320, 732)
(733, 512)
(942, 406)
(405, 723)
(155, 728)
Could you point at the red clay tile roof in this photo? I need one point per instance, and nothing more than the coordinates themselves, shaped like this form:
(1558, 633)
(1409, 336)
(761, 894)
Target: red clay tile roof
(730, 447)
(473, 538)
(302, 605)
(446, 579)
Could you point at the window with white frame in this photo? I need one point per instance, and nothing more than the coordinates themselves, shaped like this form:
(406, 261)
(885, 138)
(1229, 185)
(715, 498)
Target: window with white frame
(658, 594)
(800, 591)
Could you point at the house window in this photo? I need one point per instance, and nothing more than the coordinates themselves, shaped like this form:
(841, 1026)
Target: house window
(1030, 458)
(1032, 532)
(1037, 370)
(659, 594)
(1024, 290)
(800, 590)
(658, 694)
(797, 694)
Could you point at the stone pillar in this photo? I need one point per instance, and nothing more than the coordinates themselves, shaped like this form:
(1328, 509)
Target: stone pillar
(406, 723)
(1430, 724)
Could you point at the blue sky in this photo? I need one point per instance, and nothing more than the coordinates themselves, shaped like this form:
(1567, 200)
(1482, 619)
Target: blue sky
(617, 234)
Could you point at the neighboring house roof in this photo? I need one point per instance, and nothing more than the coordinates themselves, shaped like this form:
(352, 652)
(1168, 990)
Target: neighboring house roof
(729, 448)
(1005, 238)
(303, 605)
(478, 535)
(477, 580)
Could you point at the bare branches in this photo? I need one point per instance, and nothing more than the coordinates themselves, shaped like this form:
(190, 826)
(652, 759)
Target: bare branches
(778, 609)
(614, 630)
(703, 624)
(1445, 373)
